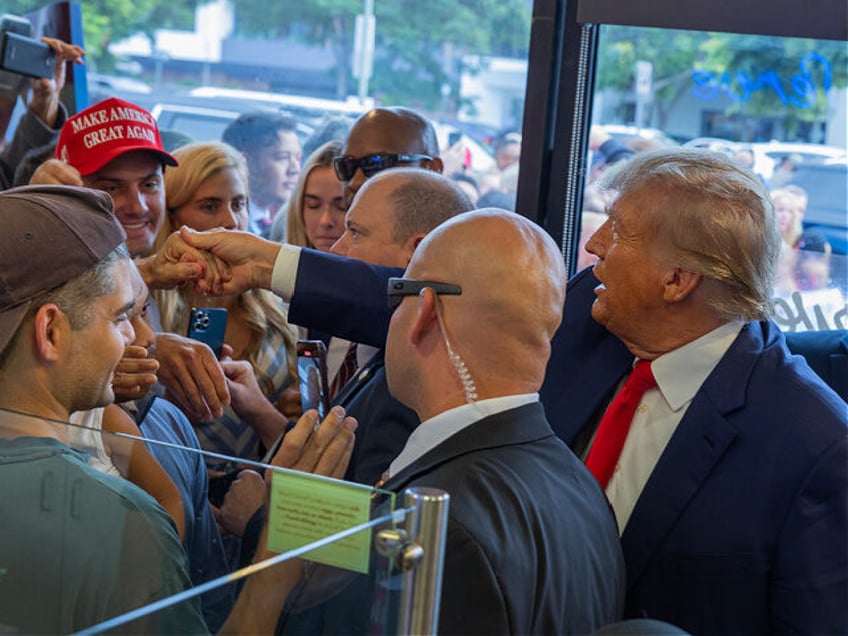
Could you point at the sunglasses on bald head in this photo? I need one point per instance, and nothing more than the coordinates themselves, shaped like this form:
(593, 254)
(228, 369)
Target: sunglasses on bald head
(345, 165)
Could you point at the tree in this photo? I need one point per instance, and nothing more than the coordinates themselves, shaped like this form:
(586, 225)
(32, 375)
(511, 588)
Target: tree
(786, 78)
(419, 45)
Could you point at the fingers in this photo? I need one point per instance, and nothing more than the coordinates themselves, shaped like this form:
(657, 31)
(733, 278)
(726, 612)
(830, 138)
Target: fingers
(334, 461)
(235, 369)
(295, 440)
(65, 51)
(191, 372)
(134, 374)
(322, 450)
(56, 172)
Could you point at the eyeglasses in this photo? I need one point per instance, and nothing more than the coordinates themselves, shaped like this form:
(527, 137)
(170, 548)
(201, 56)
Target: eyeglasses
(399, 288)
(345, 166)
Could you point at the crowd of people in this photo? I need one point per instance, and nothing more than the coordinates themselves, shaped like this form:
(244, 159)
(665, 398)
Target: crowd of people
(636, 442)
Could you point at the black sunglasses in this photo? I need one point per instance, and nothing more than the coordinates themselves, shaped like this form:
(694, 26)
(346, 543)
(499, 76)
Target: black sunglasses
(345, 166)
(399, 288)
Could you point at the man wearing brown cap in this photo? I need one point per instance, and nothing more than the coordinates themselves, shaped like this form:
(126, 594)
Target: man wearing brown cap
(115, 146)
(76, 546)
(79, 547)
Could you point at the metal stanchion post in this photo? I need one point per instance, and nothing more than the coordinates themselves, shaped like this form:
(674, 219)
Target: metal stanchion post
(419, 551)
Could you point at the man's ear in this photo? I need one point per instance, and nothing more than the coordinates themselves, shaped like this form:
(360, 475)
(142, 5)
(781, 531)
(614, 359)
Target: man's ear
(426, 319)
(435, 165)
(679, 284)
(409, 245)
(52, 331)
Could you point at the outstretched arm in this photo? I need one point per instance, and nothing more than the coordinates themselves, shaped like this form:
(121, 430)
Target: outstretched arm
(337, 295)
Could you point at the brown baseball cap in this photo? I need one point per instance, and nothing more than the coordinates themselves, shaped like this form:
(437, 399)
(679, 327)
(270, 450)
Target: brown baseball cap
(48, 236)
(94, 136)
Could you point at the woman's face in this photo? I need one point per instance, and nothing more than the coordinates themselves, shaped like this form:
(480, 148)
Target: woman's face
(323, 208)
(789, 212)
(220, 201)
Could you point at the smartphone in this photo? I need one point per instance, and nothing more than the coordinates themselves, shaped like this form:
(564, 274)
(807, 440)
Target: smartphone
(26, 56)
(208, 325)
(312, 375)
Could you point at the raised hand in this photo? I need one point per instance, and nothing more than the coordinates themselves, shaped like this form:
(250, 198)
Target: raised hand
(192, 375)
(56, 172)
(177, 263)
(45, 91)
(250, 404)
(134, 375)
(322, 450)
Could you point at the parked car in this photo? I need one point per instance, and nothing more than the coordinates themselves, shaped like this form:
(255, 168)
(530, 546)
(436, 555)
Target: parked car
(207, 122)
(627, 134)
(826, 184)
(308, 110)
(767, 155)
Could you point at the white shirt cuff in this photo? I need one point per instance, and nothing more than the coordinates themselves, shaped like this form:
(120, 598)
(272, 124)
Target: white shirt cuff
(285, 271)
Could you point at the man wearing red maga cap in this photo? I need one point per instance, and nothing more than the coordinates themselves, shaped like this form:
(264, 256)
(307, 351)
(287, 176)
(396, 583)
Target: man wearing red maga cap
(115, 146)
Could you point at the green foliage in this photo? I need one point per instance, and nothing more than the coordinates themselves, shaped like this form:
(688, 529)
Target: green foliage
(765, 72)
(419, 45)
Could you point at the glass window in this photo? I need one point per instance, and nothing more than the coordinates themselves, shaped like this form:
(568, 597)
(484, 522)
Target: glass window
(777, 105)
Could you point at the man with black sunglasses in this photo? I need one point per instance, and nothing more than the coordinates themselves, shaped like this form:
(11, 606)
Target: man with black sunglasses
(385, 138)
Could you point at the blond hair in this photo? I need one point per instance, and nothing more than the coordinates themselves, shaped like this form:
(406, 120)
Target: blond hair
(713, 218)
(261, 310)
(321, 158)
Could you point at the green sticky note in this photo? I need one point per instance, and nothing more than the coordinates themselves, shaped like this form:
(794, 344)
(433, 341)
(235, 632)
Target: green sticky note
(305, 508)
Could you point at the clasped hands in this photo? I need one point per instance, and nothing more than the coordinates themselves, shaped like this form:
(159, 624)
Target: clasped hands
(216, 262)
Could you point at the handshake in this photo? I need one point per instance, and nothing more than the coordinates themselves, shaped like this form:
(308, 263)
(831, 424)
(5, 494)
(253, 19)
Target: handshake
(216, 262)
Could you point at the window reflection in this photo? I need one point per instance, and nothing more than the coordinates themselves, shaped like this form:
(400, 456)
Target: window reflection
(778, 106)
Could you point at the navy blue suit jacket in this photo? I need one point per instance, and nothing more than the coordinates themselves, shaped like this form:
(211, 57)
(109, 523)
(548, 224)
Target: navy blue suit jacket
(742, 526)
(384, 423)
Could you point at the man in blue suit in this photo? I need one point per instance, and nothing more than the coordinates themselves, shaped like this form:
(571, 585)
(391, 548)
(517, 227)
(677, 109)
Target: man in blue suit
(731, 491)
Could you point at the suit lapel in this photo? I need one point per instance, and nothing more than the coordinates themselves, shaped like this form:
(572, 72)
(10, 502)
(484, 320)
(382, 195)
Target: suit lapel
(694, 450)
(515, 426)
(355, 384)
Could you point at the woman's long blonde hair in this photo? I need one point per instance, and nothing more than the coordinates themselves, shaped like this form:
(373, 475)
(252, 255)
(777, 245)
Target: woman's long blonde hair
(261, 309)
(321, 158)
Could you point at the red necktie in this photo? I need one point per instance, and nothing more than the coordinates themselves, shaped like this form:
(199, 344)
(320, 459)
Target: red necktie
(612, 431)
(345, 371)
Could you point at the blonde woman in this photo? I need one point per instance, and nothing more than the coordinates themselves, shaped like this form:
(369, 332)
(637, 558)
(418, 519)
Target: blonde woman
(209, 189)
(316, 209)
(316, 219)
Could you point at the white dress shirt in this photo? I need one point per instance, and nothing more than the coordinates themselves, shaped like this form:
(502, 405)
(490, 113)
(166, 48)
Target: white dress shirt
(435, 430)
(679, 374)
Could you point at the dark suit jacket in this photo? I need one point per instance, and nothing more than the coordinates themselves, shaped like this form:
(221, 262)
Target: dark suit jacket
(531, 545)
(742, 526)
(384, 423)
(827, 354)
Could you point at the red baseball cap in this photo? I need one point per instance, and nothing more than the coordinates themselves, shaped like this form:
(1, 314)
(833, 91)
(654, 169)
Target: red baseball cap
(94, 136)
